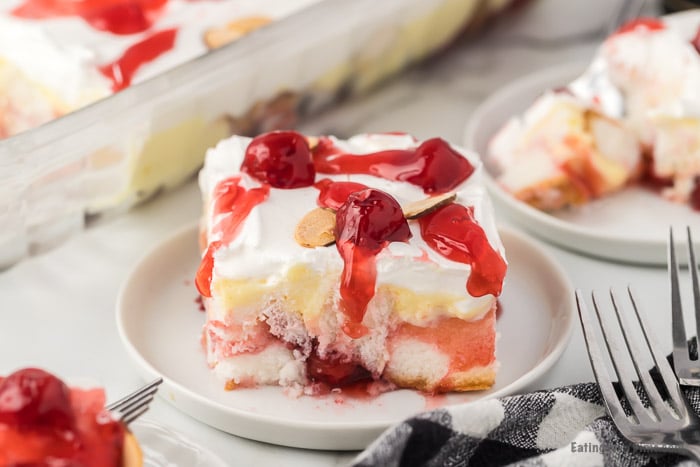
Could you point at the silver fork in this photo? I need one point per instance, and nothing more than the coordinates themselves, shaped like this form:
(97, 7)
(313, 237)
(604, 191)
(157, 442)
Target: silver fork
(667, 424)
(131, 407)
(687, 370)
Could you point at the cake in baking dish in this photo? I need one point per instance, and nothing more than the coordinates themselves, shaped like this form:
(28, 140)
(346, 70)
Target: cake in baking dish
(637, 120)
(57, 56)
(326, 262)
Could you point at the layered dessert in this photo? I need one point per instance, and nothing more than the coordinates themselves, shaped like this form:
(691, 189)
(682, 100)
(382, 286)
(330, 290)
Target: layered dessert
(44, 422)
(327, 262)
(633, 117)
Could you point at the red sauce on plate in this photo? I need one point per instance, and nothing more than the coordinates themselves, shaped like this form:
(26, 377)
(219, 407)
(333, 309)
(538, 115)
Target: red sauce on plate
(334, 371)
(43, 421)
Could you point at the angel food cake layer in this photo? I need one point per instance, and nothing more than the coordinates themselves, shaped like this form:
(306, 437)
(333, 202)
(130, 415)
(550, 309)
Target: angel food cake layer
(328, 262)
(635, 116)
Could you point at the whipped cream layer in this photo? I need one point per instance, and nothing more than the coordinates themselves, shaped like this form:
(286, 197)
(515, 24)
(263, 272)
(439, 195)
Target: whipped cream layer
(265, 248)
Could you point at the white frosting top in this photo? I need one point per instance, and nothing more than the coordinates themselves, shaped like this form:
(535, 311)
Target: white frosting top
(63, 53)
(265, 247)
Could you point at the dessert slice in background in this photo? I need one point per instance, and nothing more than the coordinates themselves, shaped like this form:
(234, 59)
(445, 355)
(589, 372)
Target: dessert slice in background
(635, 118)
(327, 263)
(657, 69)
(563, 152)
(44, 422)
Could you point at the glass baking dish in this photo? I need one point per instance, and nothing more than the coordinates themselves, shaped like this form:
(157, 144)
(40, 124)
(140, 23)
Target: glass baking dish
(153, 135)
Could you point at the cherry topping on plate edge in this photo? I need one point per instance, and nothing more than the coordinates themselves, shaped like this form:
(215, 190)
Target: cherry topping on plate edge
(365, 224)
(32, 397)
(43, 422)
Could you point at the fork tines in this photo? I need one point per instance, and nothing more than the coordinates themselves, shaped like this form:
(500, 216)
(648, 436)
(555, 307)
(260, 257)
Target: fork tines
(687, 370)
(132, 406)
(630, 355)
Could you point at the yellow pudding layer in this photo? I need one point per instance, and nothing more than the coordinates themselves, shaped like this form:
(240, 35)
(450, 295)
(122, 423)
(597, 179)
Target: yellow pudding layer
(307, 293)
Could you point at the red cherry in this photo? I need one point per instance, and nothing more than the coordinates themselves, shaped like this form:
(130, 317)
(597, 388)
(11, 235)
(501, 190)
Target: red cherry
(443, 167)
(365, 224)
(370, 219)
(123, 18)
(281, 159)
(33, 397)
(334, 371)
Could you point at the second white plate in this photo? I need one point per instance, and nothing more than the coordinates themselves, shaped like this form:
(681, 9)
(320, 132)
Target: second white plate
(163, 447)
(160, 326)
(630, 226)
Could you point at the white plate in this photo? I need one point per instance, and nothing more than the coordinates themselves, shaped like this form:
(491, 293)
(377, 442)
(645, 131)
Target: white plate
(162, 447)
(631, 225)
(160, 325)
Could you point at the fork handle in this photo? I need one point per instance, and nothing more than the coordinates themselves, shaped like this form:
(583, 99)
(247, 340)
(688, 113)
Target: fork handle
(693, 451)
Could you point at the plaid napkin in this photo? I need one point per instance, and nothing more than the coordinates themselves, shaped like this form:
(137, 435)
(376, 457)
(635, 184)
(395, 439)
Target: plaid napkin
(560, 427)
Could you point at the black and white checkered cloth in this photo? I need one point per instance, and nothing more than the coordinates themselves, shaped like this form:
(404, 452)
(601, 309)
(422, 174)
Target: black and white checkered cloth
(561, 427)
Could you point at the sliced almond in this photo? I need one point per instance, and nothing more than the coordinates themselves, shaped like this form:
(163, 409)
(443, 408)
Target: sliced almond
(316, 228)
(312, 141)
(428, 205)
(217, 37)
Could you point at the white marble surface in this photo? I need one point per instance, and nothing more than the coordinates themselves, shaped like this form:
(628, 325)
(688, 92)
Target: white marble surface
(58, 309)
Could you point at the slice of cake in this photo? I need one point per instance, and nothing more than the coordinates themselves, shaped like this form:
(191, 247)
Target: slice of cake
(643, 95)
(44, 422)
(328, 262)
(563, 152)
